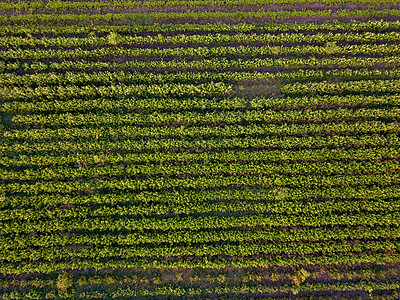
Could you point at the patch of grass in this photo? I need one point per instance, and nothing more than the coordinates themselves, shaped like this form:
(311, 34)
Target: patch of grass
(251, 89)
(143, 21)
(6, 120)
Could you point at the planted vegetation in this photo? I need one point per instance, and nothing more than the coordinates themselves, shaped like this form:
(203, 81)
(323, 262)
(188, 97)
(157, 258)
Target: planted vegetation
(200, 149)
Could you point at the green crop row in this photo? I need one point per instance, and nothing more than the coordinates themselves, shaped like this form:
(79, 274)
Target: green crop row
(187, 197)
(215, 38)
(61, 19)
(204, 52)
(242, 249)
(148, 105)
(67, 6)
(349, 87)
(268, 156)
(279, 207)
(198, 169)
(202, 262)
(209, 89)
(164, 132)
(204, 181)
(369, 12)
(109, 279)
(212, 64)
(236, 291)
(353, 26)
(12, 83)
(140, 90)
(249, 167)
(204, 118)
(370, 219)
(212, 143)
(195, 237)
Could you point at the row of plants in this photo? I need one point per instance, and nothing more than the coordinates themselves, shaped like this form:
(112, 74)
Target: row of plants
(61, 19)
(202, 40)
(188, 118)
(239, 249)
(373, 152)
(200, 52)
(164, 132)
(221, 194)
(51, 72)
(201, 223)
(201, 262)
(267, 235)
(209, 181)
(65, 282)
(158, 210)
(243, 289)
(371, 86)
(154, 146)
(248, 167)
(368, 12)
(191, 28)
(296, 275)
(117, 90)
(19, 85)
(62, 6)
(149, 105)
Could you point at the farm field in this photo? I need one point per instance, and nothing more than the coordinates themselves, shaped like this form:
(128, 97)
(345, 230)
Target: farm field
(200, 149)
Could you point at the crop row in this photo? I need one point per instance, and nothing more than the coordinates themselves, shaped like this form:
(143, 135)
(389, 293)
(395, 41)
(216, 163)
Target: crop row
(245, 289)
(209, 181)
(242, 249)
(216, 38)
(164, 132)
(61, 19)
(57, 5)
(354, 26)
(388, 289)
(209, 89)
(219, 277)
(64, 6)
(201, 262)
(213, 64)
(368, 12)
(202, 222)
(160, 210)
(374, 272)
(204, 118)
(122, 90)
(284, 143)
(195, 237)
(148, 105)
(221, 51)
(346, 87)
(269, 156)
(327, 168)
(11, 83)
(188, 197)
(210, 168)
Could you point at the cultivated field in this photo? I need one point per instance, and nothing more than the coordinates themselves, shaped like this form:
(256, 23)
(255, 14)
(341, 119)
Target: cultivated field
(200, 149)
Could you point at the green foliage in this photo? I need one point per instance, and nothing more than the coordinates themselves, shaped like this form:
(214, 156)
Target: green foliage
(113, 38)
(188, 141)
(65, 281)
(300, 275)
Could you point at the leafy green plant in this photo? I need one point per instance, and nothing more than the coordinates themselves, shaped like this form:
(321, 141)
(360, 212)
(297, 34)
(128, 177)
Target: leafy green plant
(113, 38)
(65, 281)
(300, 275)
